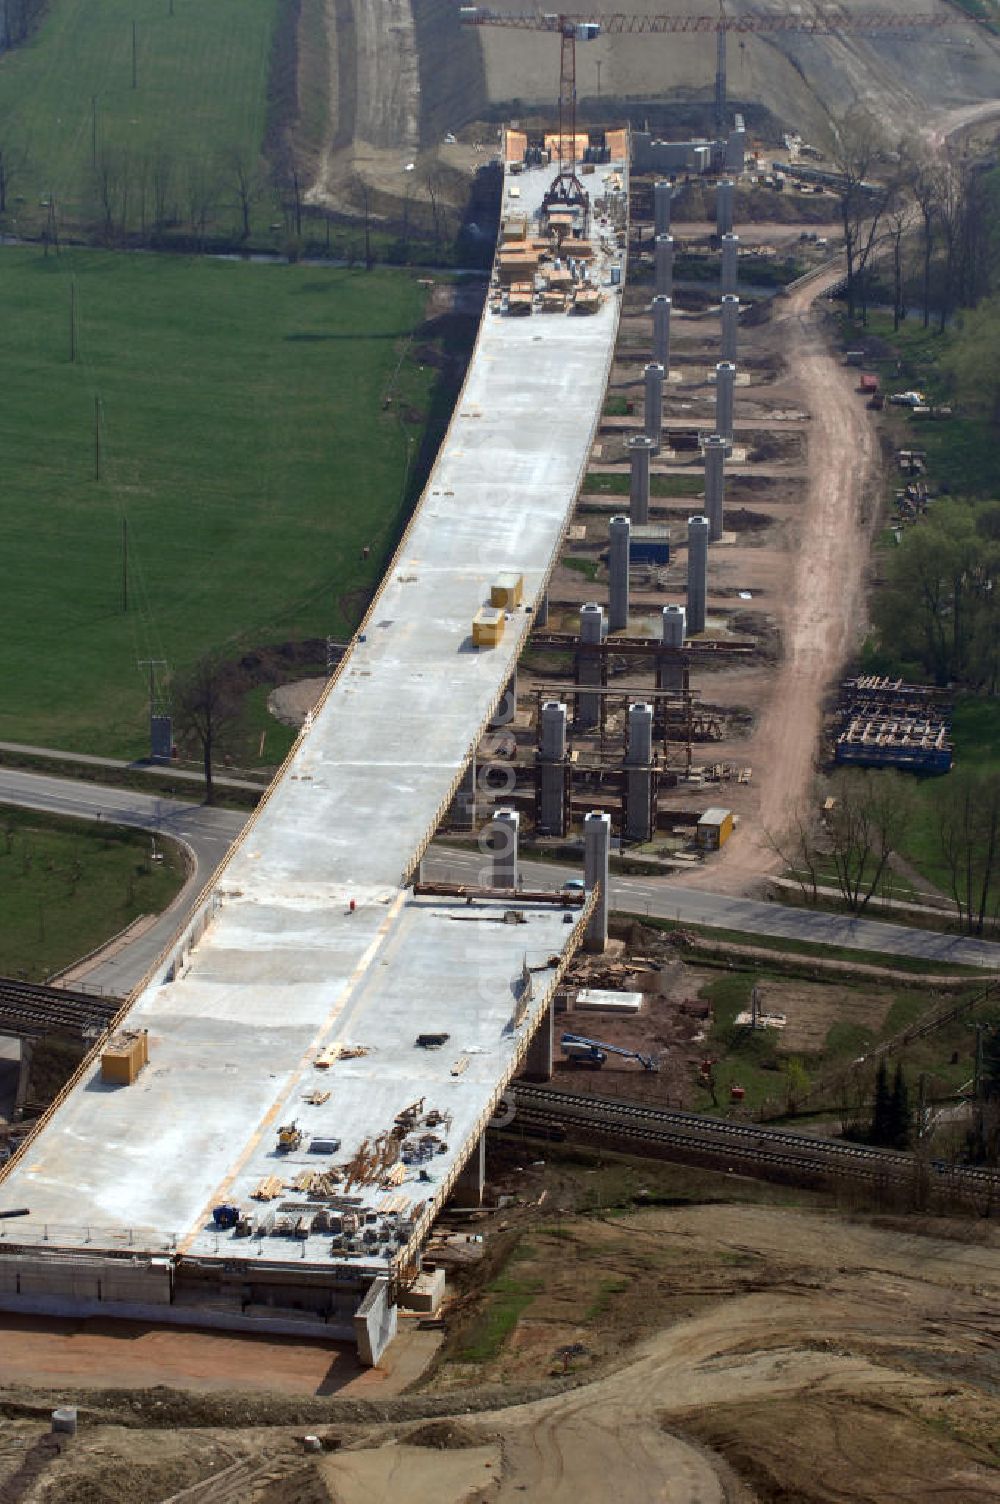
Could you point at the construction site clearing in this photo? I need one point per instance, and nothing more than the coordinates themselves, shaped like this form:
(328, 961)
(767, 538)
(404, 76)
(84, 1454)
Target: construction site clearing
(189, 1195)
(313, 1196)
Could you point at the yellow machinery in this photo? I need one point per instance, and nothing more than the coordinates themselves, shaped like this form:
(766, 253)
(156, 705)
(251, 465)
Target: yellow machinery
(289, 1137)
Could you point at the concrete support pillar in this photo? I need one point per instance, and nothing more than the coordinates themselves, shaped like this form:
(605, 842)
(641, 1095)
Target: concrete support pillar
(375, 1322)
(661, 331)
(538, 1060)
(620, 532)
(507, 708)
(465, 799)
(504, 830)
(471, 1181)
(552, 769)
(653, 416)
(662, 194)
(639, 773)
(670, 674)
(541, 613)
(596, 868)
(730, 262)
(23, 1077)
(724, 195)
(641, 448)
(588, 709)
(553, 731)
(725, 385)
(698, 530)
(736, 145)
(664, 264)
(730, 309)
(715, 463)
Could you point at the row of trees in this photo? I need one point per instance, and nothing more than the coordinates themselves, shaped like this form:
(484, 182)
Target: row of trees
(18, 19)
(866, 825)
(891, 1123)
(148, 198)
(944, 201)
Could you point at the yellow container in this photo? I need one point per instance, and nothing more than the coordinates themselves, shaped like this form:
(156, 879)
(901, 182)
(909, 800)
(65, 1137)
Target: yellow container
(123, 1057)
(507, 591)
(714, 829)
(487, 627)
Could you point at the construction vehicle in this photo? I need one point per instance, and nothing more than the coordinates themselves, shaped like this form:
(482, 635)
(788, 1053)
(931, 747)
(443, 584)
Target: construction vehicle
(594, 1053)
(289, 1138)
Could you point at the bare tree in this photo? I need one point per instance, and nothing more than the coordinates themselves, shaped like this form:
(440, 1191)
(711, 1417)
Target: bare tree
(111, 191)
(855, 143)
(13, 160)
(162, 187)
(367, 203)
(898, 218)
(247, 188)
(920, 172)
(950, 211)
(799, 854)
(202, 192)
(969, 834)
(864, 829)
(207, 708)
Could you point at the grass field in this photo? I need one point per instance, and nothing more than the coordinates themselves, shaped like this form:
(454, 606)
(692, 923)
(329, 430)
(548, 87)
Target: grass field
(202, 96)
(976, 733)
(68, 886)
(244, 442)
(757, 1062)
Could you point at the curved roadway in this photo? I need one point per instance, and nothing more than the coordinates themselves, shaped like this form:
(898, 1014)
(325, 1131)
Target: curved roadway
(205, 833)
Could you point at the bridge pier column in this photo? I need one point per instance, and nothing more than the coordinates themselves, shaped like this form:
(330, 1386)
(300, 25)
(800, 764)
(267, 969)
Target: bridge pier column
(465, 799)
(472, 1180)
(504, 832)
(538, 1060)
(541, 614)
(24, 1075)
(596, 867)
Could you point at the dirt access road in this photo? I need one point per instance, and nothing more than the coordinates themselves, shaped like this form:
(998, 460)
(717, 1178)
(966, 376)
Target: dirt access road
(824, 601)
(825, 604)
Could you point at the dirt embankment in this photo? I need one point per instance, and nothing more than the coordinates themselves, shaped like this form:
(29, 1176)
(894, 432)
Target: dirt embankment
(396, 78)
(730, 1353)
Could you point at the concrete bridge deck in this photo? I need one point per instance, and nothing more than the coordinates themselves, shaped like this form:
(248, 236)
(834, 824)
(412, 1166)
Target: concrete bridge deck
(308, 936)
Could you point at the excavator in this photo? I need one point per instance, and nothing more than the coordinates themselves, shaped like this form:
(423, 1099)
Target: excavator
(594, 1053)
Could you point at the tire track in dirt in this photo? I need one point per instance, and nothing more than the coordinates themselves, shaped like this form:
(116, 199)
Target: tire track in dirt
(824, 605)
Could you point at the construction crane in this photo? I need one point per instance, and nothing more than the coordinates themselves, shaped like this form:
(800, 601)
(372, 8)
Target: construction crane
(574, 28)
(594, 1052)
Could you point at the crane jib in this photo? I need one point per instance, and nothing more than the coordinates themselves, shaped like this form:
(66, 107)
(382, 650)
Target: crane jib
(585, 28)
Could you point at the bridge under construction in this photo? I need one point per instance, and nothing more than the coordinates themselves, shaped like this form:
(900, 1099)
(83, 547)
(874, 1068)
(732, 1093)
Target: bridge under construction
(266, 1134)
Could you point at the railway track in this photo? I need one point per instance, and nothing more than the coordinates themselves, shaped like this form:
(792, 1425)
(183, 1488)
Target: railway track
(29, 1009)
(743, 1146)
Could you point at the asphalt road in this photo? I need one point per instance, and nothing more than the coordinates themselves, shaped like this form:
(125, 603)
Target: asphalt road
(661, 899)
(206, 833)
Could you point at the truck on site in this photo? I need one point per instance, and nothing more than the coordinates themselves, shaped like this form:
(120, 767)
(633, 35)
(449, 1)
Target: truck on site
(594, 1053)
